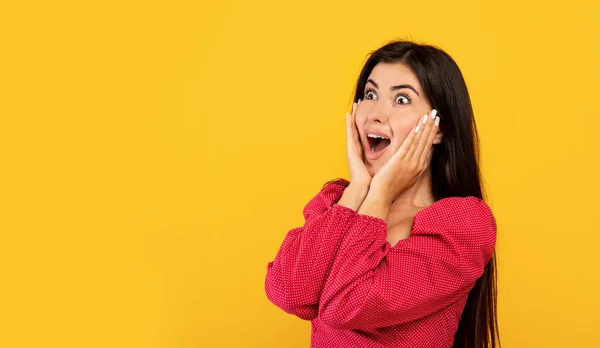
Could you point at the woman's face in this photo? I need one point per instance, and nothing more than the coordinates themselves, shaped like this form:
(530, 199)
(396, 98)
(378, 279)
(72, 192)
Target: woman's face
(392, 104)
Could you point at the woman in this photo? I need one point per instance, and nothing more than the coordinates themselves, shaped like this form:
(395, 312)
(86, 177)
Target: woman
(402, 255)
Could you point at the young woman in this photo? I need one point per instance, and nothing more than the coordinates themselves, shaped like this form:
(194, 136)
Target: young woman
(402, 255)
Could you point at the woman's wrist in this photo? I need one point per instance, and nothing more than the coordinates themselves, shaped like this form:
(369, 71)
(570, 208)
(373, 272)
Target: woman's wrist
(380, 194)
(354, 195)
(376, 205)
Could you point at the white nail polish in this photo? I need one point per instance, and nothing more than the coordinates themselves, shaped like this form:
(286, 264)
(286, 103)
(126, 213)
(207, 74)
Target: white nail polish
(417, 129)
(433, 114)
(424, 119)
(437, 121)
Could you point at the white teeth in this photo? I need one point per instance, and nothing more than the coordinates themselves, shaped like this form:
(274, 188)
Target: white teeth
(376, 136)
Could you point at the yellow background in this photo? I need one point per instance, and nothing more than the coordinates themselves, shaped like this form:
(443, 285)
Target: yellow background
(154, 154)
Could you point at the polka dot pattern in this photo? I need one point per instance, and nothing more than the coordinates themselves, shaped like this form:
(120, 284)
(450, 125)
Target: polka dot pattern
(339, 271)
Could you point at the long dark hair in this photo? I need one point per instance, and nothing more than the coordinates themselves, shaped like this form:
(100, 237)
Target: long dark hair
(454, 164)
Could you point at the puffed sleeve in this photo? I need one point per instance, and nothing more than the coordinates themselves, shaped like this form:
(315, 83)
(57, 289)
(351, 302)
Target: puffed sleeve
(295, 278)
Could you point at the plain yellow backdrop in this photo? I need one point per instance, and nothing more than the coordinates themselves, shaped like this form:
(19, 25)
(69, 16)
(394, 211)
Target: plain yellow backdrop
(154, 154)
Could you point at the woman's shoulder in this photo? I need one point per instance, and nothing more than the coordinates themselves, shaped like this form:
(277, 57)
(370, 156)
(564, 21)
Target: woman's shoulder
(463, 211)
(337, 183)
(330, 193)
(334, 189)
(469, 219)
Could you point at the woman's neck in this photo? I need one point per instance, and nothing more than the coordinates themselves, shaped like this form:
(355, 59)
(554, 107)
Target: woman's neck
(418, 196)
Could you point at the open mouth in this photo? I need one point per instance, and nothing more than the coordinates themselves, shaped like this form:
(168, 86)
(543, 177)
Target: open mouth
(377, 143)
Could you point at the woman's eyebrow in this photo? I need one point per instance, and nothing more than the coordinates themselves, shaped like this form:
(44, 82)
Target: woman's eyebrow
(393, 88)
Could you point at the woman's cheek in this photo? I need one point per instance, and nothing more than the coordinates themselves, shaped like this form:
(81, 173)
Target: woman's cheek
(406, 129)
(360, 116)
(397, 144)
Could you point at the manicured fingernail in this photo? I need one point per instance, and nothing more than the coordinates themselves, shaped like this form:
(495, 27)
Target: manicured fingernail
(437, 121)
(358, 102)
(424, 119)
(433, 114)
(417, 129)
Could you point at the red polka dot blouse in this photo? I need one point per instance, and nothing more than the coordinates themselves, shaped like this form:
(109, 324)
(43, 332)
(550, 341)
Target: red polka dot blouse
(339, 272)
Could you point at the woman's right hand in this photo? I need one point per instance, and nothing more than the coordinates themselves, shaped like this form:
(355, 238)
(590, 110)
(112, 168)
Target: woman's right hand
(359, 174)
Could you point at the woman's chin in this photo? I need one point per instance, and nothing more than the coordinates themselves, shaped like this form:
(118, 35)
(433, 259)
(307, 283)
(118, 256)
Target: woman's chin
(374, 166)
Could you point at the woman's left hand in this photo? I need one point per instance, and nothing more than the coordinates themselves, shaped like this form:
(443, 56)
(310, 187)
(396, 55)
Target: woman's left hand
(412, 158)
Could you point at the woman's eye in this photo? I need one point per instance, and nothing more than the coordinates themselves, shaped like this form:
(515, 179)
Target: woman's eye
(402, 100)
(370, 95)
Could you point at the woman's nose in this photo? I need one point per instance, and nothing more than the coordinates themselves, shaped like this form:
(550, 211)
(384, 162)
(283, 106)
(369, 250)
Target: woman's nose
(379, 112)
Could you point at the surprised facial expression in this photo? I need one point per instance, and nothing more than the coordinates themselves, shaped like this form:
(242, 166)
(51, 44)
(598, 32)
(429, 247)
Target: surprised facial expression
(392, 104)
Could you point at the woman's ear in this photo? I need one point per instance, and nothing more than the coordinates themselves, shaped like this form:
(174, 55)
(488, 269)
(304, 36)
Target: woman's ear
(438, 138)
